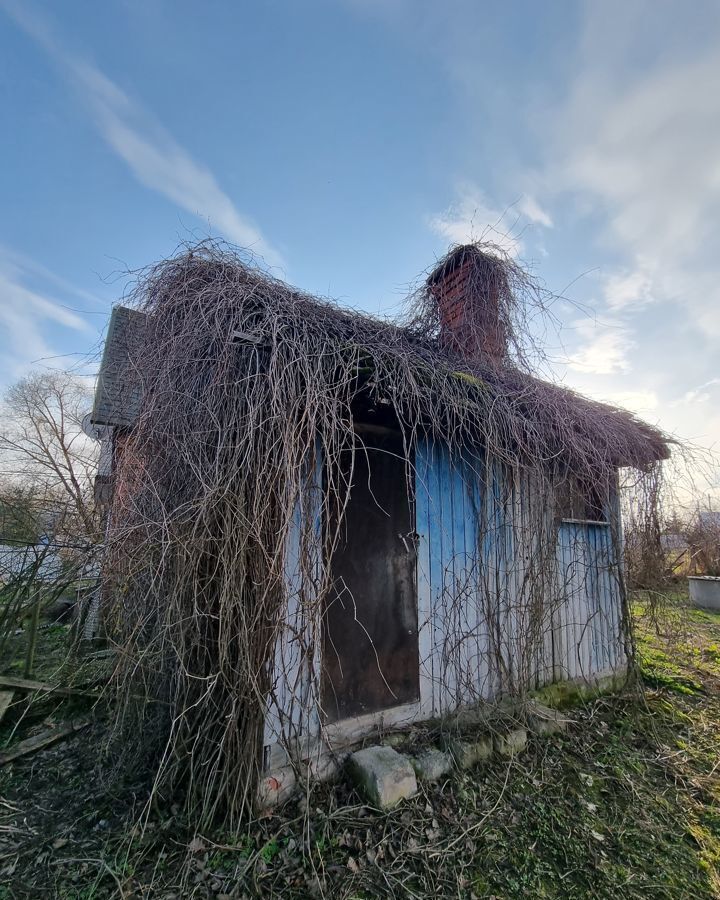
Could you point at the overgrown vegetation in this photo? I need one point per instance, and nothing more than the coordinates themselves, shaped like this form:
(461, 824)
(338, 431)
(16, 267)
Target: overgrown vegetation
(626, 804)
(216, 581)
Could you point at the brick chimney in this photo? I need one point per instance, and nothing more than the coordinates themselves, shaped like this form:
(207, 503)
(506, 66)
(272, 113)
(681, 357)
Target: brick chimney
(469, 287)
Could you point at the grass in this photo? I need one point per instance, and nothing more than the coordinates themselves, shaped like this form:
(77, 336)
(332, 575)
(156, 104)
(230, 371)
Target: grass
(626, 804)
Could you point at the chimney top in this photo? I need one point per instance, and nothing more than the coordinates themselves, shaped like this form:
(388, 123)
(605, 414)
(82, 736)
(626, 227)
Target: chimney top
(471, 289)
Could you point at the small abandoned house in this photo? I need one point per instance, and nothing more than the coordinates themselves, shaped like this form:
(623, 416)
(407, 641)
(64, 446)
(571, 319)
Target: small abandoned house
(323, 523)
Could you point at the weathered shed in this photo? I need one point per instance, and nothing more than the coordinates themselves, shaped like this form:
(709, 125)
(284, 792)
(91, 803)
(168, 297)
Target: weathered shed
(324, 523)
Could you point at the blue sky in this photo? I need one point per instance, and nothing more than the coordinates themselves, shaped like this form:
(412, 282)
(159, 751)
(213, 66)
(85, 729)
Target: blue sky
(350, 142)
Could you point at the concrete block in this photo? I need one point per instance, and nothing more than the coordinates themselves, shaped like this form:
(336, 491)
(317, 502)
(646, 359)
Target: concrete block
(432, 764)
(395, 739)
(468, 753)
(511, 743)
(543, 721)
(382, 775)
(276, 787)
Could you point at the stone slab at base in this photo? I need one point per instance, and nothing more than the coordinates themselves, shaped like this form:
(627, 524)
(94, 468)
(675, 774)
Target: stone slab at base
(511, 743)
(542, 720)
(432, 764)
(383, 776)
(468, 753)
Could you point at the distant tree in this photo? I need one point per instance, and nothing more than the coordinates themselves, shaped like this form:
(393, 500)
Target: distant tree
(21, 515)
(48, 463)
(703, 538)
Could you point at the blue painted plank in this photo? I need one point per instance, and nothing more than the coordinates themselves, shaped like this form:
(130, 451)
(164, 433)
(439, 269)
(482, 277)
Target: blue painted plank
(424, 586)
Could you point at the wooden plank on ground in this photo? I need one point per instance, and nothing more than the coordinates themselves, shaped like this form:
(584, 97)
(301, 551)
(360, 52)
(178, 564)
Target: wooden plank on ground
(5, 701)
(40, 742)
(28, 684)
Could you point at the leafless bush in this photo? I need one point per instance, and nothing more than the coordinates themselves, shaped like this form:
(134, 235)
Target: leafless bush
(702, 536)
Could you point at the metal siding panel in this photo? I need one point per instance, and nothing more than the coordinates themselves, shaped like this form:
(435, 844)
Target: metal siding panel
(605, 596)
(436, 575)
(619, 570)
(462, 601)
(425, 623)
(569, 642)
(582, 561)
(449, 654)
(614, 601)
(476, 496)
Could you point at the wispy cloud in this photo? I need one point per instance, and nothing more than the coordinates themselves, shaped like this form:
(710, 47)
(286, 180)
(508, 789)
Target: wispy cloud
(603, 349)
(148, 149)
(701, 393)
(19, 267)
(533, 212)
(472, 218)
(628, 290)
(26, 315)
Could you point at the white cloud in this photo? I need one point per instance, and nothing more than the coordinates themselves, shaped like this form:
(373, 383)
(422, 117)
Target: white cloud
(149, 150)
(626, 290)
(637, 141)
(25, 314)
(531, 209)
(604, 349)
(640, 402)
(17, 267)
(473, 218)
(701, 394)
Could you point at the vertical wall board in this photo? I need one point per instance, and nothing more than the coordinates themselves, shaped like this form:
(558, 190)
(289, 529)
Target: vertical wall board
(609, 596)
(435, 523)
(588, 535)
(574, 577)
(293, 705)
(424, 586)
(615, 538)
(618, 563)
(586, 598)
(454, 494)
(596, 596)
(549, 527)
(460, 627)
(494, 606)
(613, 592)
(508, 494)
(565, 663)
(476, 488)
(591, 601)
(448, 604)
(506, 488)
(560, 669)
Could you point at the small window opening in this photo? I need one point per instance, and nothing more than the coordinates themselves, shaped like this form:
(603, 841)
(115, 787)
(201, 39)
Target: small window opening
(579, 500)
